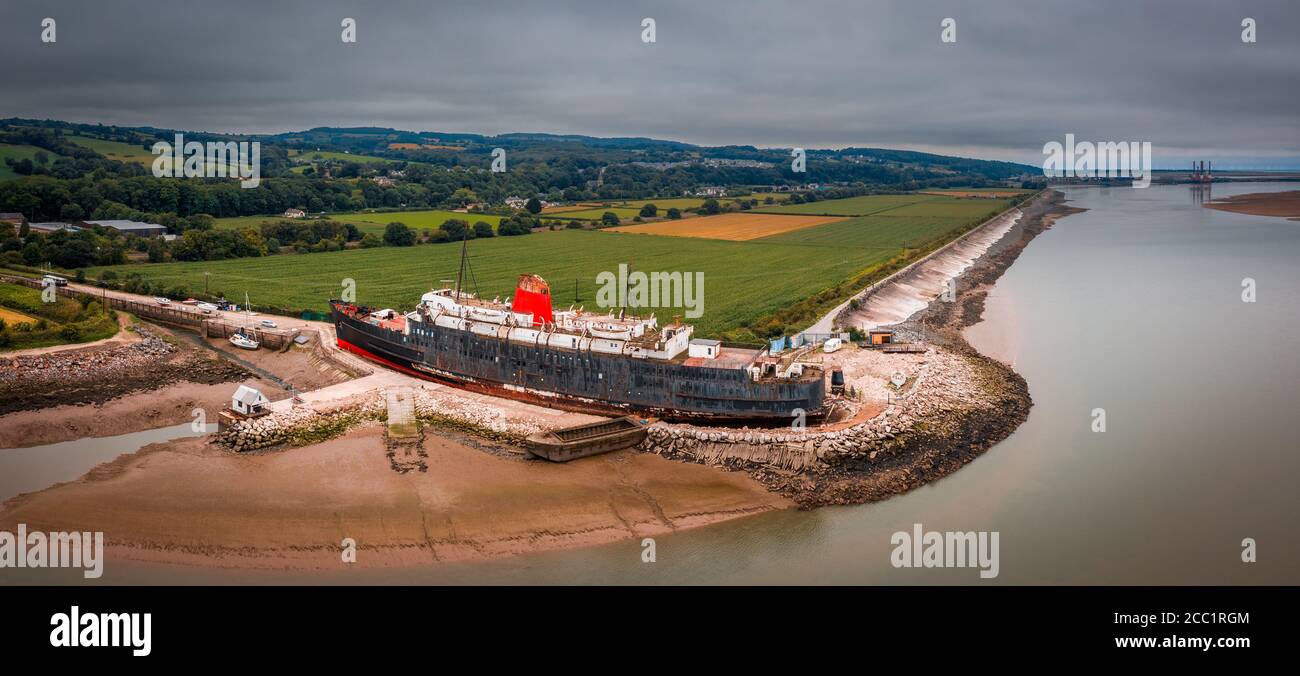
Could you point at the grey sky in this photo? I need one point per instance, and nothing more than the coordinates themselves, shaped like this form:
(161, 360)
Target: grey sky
(812, 74)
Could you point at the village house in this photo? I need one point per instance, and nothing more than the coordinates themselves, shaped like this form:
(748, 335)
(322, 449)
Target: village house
(294, 213)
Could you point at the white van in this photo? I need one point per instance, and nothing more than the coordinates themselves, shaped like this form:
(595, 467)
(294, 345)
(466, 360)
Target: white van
(832, 345)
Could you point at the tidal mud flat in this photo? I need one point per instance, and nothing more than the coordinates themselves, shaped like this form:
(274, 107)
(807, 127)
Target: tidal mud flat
(1284, 204)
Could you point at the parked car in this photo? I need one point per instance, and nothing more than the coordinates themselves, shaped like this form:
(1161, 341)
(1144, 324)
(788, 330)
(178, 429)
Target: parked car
(268, 323)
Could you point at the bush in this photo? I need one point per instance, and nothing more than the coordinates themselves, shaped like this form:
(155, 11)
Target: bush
(674, 213)
(609, 218)
(456, 229)
(397, 234)
(649, 211)
(484, 229)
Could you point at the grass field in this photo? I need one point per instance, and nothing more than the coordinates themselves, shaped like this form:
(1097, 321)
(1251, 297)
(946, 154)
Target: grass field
(973, 191)
(29, 322)
(623, 213)
(18, 152)
(317, 155)
(368, 222)
(115, 150)
(743, 280)
(851, 206)
(782, 280)
(738, 227)
(13, 317)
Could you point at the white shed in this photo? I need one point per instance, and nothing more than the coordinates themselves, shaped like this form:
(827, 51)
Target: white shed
(248, 401)
(707, 349)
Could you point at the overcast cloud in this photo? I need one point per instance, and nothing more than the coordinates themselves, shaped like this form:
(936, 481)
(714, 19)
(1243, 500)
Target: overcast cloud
(811, 74)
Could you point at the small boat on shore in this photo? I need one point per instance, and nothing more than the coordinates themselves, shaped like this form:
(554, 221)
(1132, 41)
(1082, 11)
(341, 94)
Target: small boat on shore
(241, 337)
(595, 438)
(241, 340)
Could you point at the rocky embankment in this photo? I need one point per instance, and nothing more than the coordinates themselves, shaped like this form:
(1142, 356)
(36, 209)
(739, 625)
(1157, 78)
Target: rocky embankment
(956, 406)
(97, 374)
(303, 424)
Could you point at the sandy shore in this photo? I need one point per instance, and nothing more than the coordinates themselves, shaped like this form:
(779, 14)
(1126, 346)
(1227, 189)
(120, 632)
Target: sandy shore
(1284, 204)
(191, 502)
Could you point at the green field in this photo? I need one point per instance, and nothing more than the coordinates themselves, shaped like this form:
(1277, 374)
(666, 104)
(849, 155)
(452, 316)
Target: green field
(115, 150)
(319, 155)
(631, 208)
(623, 213)
(744, 281)
(19, 152)
(852, 206)
(369, 222)
(29, 322)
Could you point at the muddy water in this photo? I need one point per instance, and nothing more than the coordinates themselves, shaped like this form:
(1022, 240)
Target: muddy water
(32, 468)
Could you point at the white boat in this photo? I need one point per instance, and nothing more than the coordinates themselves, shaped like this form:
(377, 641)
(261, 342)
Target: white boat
(240, 340)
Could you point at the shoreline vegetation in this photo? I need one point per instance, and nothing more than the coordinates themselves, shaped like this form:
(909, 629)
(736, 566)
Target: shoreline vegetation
(289, 507)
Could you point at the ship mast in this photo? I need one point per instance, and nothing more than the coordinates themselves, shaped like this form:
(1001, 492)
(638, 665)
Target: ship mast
(464, 245)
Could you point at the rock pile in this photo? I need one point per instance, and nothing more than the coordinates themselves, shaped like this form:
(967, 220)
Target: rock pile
(100, 362)
(304, 424)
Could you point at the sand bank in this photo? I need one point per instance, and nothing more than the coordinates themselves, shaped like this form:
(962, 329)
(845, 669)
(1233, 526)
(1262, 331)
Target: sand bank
(1284, 204)
(191, 502)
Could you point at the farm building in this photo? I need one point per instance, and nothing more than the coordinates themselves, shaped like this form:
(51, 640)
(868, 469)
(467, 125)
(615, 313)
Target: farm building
(132, 227)
(294, 213)
(12, 218)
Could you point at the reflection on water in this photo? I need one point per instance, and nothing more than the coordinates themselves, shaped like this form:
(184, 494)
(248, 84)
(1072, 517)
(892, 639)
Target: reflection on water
(32, 468)
(1133, 306)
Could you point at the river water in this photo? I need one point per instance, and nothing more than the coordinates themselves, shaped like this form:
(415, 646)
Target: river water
(32, 468)
(1133, 307)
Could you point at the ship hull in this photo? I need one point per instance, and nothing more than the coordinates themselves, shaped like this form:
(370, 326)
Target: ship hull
(574, 380)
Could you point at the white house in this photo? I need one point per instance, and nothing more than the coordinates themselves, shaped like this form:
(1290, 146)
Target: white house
(249, 401)
(294, 213)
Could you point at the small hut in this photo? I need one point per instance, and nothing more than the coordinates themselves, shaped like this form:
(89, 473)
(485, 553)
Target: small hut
(249, 401)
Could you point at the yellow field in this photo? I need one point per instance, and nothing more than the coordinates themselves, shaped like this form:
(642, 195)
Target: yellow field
(13, 317)
(735, 226)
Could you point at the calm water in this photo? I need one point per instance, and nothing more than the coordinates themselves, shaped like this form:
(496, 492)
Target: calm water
(33, 468)
(1135, 307)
